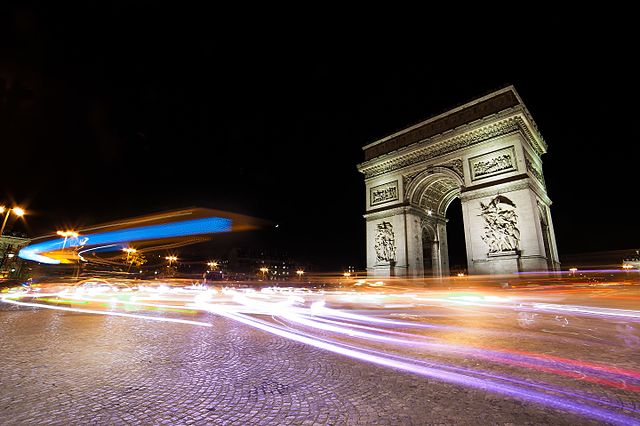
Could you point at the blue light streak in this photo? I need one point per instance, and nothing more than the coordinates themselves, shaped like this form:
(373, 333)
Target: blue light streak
(209, 225)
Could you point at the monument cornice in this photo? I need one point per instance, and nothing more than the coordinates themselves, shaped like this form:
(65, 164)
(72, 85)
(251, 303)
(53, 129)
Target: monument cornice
(393, 210)
(510, 121)
(522, 182)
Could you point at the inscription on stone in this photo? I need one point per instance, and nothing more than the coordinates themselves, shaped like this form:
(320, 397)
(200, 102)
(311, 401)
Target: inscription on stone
(384, 193)
(493, 163)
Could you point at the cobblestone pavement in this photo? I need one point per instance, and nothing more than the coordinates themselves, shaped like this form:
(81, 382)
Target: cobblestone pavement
(63, 368)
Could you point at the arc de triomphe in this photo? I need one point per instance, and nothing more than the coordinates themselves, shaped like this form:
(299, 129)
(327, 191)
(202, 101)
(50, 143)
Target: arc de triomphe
(486, 152)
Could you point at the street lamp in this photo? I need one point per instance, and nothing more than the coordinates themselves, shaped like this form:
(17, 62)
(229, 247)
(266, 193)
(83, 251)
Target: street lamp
(171, 259)
(129, 250)
(264, 271)
(16, 210)
(212, 264)
(347, 274)
(300, 273)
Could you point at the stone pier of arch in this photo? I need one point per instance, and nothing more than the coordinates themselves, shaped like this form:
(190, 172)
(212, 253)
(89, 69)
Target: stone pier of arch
(488, 154)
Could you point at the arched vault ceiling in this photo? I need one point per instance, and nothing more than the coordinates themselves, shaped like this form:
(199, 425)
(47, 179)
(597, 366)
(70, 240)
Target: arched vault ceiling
(438, 194)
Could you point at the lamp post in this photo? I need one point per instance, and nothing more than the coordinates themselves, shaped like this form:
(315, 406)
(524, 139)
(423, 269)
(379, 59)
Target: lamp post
(264, 272)
(300, 273)
(213, 265)
(129, 251)
(171, 259)
(16, 210)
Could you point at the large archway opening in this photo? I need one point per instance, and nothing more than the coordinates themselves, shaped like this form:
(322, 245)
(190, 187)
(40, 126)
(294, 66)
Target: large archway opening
(456, 239)
(435, 193)
(428, 250)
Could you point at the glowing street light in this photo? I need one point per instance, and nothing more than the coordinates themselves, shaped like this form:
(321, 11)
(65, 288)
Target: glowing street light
(573, 270)
(129, 250)
(264, 271)
(16, 210)
(347, 274)
(212, 264)
(300, 272)
(171, 259)
(626, 266)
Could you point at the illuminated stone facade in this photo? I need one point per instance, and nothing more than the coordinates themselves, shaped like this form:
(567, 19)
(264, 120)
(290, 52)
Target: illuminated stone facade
(11, 266)
(488, 154)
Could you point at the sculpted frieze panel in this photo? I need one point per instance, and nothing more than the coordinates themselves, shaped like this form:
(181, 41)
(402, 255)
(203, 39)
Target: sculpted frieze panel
(501, 233)
(385, 243)
(493, 163)
(384, 193)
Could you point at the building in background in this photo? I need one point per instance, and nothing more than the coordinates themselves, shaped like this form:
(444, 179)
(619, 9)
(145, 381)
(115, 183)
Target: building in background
(11, 266)
(261, 264)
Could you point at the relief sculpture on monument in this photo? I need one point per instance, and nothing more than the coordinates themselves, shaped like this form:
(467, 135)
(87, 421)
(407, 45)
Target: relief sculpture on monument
(385, 243)
(501, 233)
(497, 164)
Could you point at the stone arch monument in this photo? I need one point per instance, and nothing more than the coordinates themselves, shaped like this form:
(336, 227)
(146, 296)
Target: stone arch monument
(487, 153)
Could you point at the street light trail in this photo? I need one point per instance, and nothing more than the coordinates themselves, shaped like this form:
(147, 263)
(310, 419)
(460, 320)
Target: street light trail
(437, 342)
(7, 299)
(456, 378)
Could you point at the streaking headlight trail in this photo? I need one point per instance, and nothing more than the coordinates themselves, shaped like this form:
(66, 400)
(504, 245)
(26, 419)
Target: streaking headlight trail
(169, 230)
(472, 339)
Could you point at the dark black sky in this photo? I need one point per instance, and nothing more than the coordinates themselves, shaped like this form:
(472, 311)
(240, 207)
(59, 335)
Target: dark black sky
(114, 111)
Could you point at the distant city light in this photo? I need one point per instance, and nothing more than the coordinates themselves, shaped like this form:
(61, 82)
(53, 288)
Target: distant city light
(68, 234)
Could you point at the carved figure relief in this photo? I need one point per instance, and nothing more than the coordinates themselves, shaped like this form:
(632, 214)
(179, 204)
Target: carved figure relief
(407, 179)
(385, 243)
(533, 169)
(501, 233)
(497, 164)
(456, 166)
(384, 193)
(493, 163)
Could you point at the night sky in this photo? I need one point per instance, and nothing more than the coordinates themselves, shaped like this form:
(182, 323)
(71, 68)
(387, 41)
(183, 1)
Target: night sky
(109, 112)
